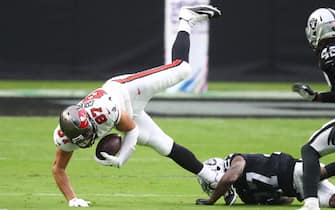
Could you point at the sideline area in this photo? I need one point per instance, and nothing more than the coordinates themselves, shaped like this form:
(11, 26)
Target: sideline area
(48, 102)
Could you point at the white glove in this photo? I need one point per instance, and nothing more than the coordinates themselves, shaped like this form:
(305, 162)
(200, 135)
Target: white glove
(304, 91)
(77, 202)
(109, 161)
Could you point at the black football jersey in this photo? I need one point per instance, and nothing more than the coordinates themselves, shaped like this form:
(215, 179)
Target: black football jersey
(265, 177)
(326, 56)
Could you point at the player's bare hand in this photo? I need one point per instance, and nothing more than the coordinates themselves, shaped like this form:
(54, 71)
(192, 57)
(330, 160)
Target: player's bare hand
(304, 91)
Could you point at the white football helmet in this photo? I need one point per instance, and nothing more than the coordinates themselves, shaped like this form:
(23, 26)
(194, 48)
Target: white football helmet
(320, 25)
(214, 164)
(219, 166)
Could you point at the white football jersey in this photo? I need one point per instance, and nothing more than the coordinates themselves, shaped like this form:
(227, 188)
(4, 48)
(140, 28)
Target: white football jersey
(104, 106)
(129, 93)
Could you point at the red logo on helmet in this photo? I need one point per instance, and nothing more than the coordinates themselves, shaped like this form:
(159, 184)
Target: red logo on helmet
(83, 119)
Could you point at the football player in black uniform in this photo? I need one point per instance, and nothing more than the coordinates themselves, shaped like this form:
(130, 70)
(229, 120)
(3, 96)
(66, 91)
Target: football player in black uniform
(263, 179)
(320, 32)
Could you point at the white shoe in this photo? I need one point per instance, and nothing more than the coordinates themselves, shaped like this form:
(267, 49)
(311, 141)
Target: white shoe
(309, 208)
(195, 14)
(311, 203)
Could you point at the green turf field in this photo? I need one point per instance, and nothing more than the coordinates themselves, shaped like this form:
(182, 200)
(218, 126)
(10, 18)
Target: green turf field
(217, 86)
(148, 181)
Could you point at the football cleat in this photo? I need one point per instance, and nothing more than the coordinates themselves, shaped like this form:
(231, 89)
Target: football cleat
(199, 13)
(309, 208)
(311, 204)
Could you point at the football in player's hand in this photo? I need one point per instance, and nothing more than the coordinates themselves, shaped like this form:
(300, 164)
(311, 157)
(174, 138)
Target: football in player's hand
(110, 144)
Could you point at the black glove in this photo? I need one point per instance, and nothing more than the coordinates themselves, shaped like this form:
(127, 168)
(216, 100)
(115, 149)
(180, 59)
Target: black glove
(201, 201)
(230, 196)
(305, 91)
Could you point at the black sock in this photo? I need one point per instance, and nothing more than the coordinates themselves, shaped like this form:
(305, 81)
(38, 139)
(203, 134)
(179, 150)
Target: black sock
(311, 171)
(181, 46)
(330, 168)
(185, 158)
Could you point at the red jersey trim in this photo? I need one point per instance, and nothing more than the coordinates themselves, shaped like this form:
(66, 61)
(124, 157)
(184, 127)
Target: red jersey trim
(150, 71)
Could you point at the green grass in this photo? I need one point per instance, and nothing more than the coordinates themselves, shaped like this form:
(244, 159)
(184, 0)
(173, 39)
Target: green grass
(259, 86)
(148, 181)
(45, 84)
(89, 85)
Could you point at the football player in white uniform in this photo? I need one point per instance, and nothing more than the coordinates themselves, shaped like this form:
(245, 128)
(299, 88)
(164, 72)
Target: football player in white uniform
(120, 104)
(274, 179)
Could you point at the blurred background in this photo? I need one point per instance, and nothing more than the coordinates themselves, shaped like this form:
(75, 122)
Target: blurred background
(261, 40)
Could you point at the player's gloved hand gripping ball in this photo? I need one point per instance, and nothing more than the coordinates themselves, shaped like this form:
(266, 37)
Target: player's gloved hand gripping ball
(107, 148)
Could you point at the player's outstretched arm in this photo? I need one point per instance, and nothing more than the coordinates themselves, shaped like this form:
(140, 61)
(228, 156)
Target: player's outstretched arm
(62, 180)
(309, 94)
(305, 91)
(226, 182)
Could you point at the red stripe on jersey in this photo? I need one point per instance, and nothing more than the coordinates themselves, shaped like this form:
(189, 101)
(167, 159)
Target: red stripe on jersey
(150, 71)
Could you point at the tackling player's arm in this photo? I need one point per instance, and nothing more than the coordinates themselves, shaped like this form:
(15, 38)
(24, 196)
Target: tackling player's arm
(127, 125)
(326, 56)
(228, 179)
(306, 92)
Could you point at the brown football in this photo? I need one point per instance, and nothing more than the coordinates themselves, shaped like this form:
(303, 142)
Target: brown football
(110, 144)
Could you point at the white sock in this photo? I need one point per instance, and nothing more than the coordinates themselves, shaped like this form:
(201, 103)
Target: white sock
(184, 26)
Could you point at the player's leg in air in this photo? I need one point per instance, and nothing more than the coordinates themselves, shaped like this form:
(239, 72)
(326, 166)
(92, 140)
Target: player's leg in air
(188, 17)
(146, 84)
(150, 134)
